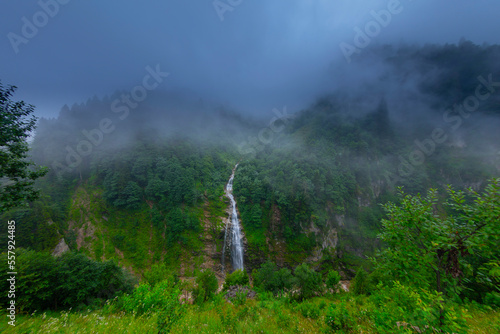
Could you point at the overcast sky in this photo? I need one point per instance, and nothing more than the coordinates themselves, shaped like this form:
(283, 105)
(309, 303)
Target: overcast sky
(251, 54)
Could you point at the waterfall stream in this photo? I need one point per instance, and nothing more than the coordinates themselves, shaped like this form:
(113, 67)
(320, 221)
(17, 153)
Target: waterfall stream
(235, 238)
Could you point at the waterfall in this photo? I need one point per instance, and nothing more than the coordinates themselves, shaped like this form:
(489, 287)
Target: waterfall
(235, 238)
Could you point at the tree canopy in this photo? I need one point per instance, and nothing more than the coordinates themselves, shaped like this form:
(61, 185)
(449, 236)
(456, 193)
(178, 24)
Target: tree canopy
(434, 246)
(17, 174)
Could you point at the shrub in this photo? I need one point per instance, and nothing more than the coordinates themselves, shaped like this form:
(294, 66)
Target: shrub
(309, 310)
(241, 298)
(269, 278)
(207, 286)
(263, 277)
(238, 277)
(492, 299)
(338, 317)
(360, 284)
(283, 280)
(164, 296)
(158, 273)
(307, 280)
(265, 296)
(332, 280)
(401, 307)
(71, 280)
(170, 313)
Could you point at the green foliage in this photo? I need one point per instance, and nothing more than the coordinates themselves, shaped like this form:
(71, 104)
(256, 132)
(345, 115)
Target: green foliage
(166, 175)
(240, 298)
(17, 175)
(361, 283)
(292, 183)
(308, 281)
(339, 318)
(309, 310)
(237, 277)
(34, 228)
(400, 307)
(492, 281)
(163, 297)
(493, 299)
(429, 250)
(133, 195)
(175, 222)
(270, 278)
(275, 315)
(158, 273)
(207, 285)
(332, 281)
(71, 280)
(171, 313)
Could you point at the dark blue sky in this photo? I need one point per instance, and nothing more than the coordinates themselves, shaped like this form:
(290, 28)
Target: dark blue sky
(263, 54)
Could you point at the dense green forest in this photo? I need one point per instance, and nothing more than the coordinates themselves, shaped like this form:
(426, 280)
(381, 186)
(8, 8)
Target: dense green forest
(351, 189)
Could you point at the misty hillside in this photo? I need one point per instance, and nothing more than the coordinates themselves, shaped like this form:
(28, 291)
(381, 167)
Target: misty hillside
(313, 184)
(146, 185)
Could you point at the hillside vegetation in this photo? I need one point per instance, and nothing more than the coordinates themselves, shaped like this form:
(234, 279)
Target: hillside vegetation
(352, 190)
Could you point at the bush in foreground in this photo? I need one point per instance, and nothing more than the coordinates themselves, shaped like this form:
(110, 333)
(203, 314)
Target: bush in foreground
(207, 285)
(308, 281)
(238, 277)
(269, 278)
(69, 281)
(332, 281)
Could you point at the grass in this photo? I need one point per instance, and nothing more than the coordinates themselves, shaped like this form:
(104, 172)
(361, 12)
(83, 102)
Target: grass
(264, 315)
(82, 322)
(483, 321)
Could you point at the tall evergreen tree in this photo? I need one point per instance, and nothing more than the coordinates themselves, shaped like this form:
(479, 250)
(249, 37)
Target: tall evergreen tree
(16, 173)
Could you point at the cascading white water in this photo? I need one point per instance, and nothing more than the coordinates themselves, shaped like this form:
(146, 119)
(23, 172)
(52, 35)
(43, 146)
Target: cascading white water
(236, 246)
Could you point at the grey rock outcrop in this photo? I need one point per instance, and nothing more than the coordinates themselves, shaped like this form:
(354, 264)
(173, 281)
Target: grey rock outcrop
(61, 248)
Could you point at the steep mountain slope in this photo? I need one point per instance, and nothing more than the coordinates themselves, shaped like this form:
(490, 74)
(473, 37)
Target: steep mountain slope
(149, 188)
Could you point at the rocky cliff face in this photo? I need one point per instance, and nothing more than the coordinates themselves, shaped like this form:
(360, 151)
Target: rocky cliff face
(277, 250)
(212, 238)
(61, 248)
(135, 244)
